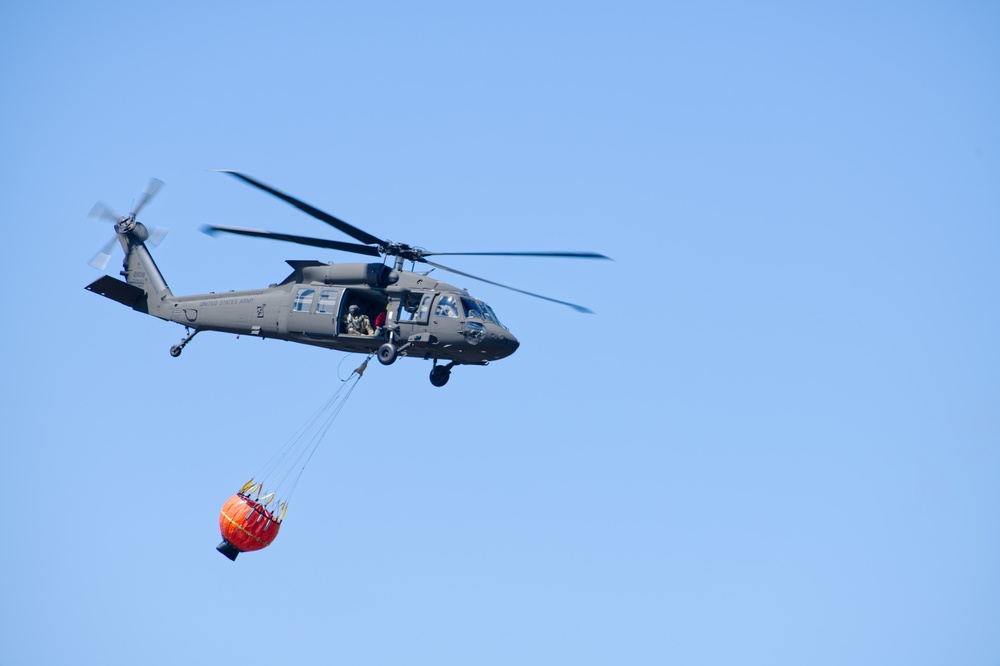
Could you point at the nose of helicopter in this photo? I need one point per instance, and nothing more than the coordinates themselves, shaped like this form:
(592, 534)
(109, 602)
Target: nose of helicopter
(507, 345)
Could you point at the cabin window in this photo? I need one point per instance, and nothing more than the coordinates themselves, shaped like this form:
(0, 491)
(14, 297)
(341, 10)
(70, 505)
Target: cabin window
(327, 302)
(303, 300)
(447, 306)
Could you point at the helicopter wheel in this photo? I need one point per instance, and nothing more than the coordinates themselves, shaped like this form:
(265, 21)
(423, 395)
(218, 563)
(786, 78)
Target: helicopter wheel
(440, 376)
(387, 354)
(176, 350)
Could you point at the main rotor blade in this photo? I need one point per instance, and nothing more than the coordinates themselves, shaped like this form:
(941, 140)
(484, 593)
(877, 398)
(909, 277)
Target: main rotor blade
(301, 240)
(578, 308)
(152, 187)
(574, 255)
(337, 223)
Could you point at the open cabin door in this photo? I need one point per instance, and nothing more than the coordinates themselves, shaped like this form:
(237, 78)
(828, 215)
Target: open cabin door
(370, 303)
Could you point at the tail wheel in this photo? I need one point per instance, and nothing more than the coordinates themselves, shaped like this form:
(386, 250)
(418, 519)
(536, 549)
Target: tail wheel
(176, 350)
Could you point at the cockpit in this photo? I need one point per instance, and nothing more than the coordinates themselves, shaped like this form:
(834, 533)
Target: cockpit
(454, 305)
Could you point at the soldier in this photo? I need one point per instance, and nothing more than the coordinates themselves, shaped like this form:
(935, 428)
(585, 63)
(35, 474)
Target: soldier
(357, 323)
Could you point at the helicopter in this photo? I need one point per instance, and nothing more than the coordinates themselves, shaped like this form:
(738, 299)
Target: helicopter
(370, 308)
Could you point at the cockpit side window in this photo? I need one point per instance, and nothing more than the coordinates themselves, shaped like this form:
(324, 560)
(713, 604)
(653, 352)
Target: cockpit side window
(425, 308)
(416, 307)
(447, 306)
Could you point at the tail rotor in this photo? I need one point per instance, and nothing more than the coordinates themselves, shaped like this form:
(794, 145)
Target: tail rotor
(127, 224)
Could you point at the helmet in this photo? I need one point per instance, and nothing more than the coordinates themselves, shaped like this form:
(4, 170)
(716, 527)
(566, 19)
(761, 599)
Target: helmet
(353, 309)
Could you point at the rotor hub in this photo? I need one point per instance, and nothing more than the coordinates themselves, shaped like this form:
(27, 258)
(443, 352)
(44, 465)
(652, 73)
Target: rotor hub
(125, 224)
(402, 250)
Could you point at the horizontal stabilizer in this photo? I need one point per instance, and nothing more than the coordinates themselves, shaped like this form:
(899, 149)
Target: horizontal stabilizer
(116, 290)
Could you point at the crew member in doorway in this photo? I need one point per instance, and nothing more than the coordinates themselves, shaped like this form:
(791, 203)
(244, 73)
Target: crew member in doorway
(357, 322)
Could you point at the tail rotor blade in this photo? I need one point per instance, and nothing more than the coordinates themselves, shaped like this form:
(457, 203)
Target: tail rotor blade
(102, 212)
(156, 236)
(100, 260)
(152, 187)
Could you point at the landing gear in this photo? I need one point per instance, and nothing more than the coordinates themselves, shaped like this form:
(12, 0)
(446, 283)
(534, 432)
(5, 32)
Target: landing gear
(176, 350)
(440, 374)
(387, 354)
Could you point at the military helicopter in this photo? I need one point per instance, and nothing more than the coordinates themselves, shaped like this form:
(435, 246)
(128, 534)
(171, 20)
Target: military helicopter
(336, 306)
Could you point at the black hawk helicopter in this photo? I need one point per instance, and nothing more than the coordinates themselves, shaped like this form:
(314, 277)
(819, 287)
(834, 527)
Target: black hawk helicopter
(366, 308)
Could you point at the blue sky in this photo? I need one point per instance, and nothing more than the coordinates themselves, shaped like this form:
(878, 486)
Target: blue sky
(776, 441)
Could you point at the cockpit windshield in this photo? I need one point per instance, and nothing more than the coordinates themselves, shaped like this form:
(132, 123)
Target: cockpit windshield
(489, 314)
(472, 310)
(449, 305)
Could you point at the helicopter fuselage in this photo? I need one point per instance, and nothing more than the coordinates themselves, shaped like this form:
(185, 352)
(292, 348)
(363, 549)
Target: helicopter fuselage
(424, 318)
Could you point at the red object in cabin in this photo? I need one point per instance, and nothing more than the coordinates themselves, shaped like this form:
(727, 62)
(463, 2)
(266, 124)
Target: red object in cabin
(246, 525)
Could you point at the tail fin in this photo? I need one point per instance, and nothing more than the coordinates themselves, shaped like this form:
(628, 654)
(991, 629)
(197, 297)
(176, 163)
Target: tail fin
(144, 288)
(140, 269)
